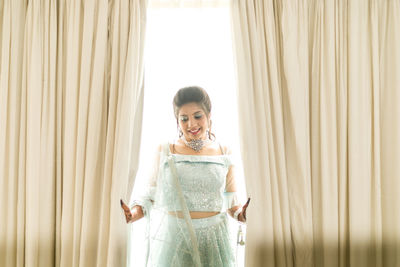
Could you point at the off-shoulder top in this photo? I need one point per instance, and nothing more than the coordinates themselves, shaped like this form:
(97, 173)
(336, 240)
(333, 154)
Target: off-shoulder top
(202, 179)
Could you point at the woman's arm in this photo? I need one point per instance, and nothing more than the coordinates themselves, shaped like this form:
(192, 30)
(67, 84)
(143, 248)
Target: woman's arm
(143, 201)
(236, 210)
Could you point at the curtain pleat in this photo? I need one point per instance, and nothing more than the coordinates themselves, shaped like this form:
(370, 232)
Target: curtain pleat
(71, 99)
(390, 131)
(318, 90)
(11, 47)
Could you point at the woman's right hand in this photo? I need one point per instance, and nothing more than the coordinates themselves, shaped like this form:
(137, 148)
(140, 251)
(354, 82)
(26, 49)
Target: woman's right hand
(127, 211)
(129, 216)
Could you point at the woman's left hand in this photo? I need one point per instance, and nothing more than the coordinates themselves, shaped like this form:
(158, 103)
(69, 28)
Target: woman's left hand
(242, 215)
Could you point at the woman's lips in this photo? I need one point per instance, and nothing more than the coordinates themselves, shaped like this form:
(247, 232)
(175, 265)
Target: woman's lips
(194, 132)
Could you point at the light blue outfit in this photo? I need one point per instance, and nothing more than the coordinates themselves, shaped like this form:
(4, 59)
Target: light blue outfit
(174, 240)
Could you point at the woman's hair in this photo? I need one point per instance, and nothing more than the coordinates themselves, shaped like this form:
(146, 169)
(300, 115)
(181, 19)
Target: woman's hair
(192, 94)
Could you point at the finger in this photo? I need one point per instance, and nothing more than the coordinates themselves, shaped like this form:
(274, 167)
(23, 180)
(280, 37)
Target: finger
(128, 213)
(244, 214)
(246, 205)
(128, 217)
(122, 203)
(244, 208)
(126, 209)
(124, 206)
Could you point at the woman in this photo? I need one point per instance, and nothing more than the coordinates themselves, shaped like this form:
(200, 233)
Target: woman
(192, 189)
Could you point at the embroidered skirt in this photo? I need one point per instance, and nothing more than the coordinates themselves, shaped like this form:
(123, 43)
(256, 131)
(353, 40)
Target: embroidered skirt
(170, 244)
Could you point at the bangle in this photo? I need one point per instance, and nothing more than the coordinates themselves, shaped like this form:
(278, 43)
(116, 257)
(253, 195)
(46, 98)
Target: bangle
(236, 214)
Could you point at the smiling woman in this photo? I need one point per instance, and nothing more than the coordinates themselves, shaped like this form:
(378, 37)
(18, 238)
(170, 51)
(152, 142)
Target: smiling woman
(190, 193)
(185, 47)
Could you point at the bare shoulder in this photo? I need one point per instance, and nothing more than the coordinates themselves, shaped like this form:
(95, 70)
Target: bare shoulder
(160, 148)
(175, 146)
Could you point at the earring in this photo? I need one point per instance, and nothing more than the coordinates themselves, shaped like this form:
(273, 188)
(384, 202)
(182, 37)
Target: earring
(209, 130)
(180, 133)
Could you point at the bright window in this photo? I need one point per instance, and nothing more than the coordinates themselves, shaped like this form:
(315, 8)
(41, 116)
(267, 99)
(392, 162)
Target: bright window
(187, 46)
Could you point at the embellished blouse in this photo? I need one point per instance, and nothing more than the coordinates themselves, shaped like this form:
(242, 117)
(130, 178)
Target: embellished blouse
(207, 182)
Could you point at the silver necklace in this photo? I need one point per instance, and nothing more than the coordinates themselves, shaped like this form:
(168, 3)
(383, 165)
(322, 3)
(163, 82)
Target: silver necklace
(196, 144)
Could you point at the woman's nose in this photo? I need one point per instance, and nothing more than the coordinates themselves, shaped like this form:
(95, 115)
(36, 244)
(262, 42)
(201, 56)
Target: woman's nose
(191, 123)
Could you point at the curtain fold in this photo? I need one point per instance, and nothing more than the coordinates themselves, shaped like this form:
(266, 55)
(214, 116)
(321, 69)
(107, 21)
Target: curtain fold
(318, 92)
(71, 99)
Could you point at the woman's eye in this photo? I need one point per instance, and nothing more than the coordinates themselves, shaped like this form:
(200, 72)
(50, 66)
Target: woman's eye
(184, 119)
(198, 117)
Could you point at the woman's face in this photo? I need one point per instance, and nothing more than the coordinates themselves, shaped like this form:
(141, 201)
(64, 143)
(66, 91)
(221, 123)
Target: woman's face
(193, 121)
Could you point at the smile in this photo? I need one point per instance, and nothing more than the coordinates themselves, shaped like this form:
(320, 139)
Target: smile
(194, 132)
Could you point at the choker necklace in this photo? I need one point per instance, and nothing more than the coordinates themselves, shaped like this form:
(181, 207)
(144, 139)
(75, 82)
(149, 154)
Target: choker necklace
(196, 144)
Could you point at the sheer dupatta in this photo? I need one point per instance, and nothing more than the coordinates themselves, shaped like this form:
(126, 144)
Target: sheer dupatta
(171, 239)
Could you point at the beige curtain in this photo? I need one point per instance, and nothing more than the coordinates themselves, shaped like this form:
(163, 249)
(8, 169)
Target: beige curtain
(319, 100)
(71, 93)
